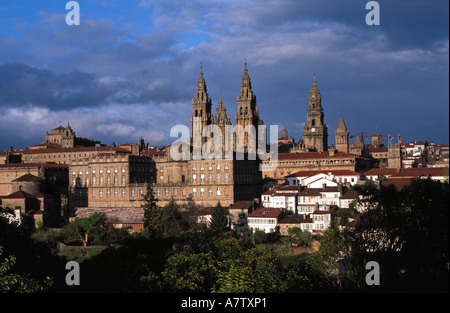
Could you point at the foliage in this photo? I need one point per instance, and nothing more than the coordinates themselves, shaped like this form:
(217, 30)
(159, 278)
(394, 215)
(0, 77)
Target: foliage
(11, 282)
(172, 222)
(152, 214)
(259, 236)
(89, 230)
(219, 219)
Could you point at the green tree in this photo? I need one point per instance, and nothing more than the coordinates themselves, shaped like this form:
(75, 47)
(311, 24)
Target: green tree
(81, 229)
(11, 282)
(172, 221)
(259, 236)
(152, 214)
(219, 219)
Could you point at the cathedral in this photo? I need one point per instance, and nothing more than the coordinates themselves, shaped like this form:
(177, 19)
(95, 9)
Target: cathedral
(246, 114)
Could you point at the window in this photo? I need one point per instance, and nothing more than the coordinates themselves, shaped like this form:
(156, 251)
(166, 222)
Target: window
(116, 180)
(108, 170)
(209, 191)
(194, 178)
(101, 170)
(194, 191)
(100, 193)
(161, 169)
(123, 169)
(226, 178)
(132, 192)
(194, 167)
(201, 167)
(226, 166)
(210, 166)
(108, 193)
(101, 181)
(218, 191)
(87, 171)
(218, 166)
(210, 178)
(93, 181)
(141, 192)
(202, 178)
(93, 170)
(123, 180)
(202, 191)
(108, 180)
(115, 193)
(218, 178)
(74, 173)
(161, 179)
(115, 169)
(123, 193)
(166, 192)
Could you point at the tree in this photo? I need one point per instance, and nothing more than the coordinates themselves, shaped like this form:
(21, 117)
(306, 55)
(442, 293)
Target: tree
(82, 228)
(172, 222)
(152, 213)
(219, 219)
(259, 236)
(18, 282)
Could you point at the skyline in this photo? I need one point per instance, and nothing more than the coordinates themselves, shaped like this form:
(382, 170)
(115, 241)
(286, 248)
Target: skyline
(131, 68)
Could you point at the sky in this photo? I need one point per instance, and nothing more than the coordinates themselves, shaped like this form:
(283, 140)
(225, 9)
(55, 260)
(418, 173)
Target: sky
(131, 67)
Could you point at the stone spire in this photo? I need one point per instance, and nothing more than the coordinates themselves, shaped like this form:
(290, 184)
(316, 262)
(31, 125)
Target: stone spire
(341, 126)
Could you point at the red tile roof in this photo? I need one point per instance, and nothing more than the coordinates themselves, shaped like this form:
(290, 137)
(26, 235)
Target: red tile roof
(295, 219)
(312, 155)
(46, 165)
(266, 213)
(75, 149)
(20, 194)
(422, 171)
(381, 171)
(28, 177)
(308, 173)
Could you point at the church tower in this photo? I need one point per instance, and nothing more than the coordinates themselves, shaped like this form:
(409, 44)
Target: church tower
(341, 137)
(247, 111)
(315, 133)
(201, 108)
(222, 119)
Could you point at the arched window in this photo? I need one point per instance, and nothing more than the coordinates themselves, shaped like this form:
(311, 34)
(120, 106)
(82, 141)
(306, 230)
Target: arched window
(196, 113)
(313, 122)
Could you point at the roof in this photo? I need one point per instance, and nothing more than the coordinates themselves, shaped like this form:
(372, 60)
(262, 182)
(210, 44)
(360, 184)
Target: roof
(308, 173)
(313, 155)
(20, 194)
(381, 171)
(47, 144)
(400, 183)
(317, 191)
(75, 149)
(350, 194)
(295, 219)
(422, 171)
(266, 213)
(59, 128)
(28, 177)
(243, 205)
(46, 165)
(123, 215)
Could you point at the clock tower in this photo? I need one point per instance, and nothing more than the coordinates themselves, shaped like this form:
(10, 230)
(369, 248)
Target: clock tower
(315, 132)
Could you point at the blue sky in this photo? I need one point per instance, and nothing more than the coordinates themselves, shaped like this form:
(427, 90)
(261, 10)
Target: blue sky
(130, 69)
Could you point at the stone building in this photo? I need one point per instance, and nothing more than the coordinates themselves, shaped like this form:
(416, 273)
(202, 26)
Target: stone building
(315, 132)
(65, 137)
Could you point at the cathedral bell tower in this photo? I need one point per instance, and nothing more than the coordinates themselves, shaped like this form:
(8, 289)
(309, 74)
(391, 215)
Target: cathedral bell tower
(201, 109)
(247, 111)
(315, 132)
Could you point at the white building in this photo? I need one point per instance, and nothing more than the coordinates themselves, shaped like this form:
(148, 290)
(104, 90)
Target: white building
(303, 178)
(265, 219)
(281, 197)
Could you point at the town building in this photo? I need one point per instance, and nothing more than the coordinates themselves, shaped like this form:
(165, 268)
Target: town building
(265, 219)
